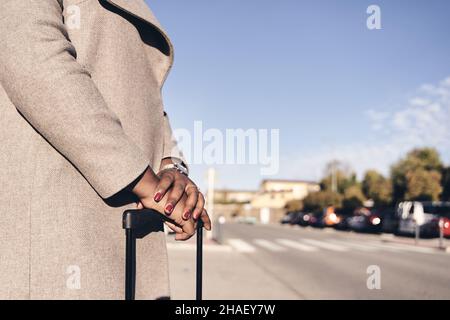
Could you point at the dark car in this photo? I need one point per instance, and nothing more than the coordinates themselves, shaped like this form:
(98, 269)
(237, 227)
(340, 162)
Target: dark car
(287, 219)
(364, 220)
(389, 220)
(343, 223)
(292, 218)
(298, 218)
(302, 219)
(316, 220)
(432, 228)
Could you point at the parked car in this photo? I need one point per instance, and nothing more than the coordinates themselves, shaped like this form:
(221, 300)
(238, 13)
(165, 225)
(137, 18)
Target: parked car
(316, 220)
(343, 223)
(287, 218)
(304, 219)
(364, 220)
(389, 220)
(446, 225)
(425, 215)
(330, 217)
(292, 218)
(298, 218)
(432, 227)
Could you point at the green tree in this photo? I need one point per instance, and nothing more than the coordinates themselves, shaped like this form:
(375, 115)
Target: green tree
(423, 185)
(341, 174)
(321, 199)
(425, 159)
(378, 188)
(353, 198)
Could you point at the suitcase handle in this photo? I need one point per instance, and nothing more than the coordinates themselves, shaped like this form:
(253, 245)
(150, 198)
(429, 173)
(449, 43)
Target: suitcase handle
(133, 221)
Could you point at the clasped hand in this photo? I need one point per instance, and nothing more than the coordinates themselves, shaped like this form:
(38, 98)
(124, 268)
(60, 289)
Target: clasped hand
(175, 195)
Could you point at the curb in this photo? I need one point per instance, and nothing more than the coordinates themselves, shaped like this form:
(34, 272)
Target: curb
(435, 248)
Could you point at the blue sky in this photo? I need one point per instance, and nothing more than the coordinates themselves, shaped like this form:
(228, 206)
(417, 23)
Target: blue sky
(334, 88)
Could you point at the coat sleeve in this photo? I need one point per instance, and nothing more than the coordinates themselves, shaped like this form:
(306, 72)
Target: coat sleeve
(171, 149)
(56, 95)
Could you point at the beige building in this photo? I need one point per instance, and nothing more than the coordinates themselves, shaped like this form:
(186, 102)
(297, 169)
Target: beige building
(267, 204)
(233, 196)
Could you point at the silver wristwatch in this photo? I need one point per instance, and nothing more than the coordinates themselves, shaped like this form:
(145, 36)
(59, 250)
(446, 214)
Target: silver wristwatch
(177, 166)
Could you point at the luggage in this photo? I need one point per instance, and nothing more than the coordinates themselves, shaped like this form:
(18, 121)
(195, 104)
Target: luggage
(138, 224)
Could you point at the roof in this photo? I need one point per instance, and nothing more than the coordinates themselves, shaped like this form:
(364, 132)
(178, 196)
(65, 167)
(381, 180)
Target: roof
(289, 181)
(235, 191)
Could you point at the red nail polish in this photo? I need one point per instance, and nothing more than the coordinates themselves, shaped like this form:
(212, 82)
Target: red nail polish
(187, 215)
(169, 208)
(157, 197)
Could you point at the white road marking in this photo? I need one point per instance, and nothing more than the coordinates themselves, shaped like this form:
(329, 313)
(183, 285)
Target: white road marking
(269, 245)
(357, 246)
(241, 246)
(296, 245)
(382, 246)
(325, 245)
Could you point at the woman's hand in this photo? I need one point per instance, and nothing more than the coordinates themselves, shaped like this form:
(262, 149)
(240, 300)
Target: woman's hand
(174, 184)
(146, 189)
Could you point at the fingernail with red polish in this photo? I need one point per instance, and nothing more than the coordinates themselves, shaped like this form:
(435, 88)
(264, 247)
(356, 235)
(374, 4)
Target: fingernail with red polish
(169, 208)
(187, 215)
(157, 197)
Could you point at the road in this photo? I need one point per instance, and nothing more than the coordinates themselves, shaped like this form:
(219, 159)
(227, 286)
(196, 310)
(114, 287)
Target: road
(327, 264)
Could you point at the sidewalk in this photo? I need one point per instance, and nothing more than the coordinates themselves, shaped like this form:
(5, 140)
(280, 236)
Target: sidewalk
(422, 243)
(227, 274)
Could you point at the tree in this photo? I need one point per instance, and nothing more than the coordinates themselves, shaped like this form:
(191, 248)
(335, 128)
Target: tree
(425, 159)
(423, 185)
(321, 199)
(339, 174)
(378, 188)
(294, 205)
(353, 198)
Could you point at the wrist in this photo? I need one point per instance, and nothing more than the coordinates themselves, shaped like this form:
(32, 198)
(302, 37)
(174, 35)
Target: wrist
(146, 185)
(174, 163)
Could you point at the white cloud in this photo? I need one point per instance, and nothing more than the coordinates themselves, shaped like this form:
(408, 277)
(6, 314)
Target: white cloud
(423, 121)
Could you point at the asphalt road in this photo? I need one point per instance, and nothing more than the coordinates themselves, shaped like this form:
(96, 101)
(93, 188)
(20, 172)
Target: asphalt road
(328, 264)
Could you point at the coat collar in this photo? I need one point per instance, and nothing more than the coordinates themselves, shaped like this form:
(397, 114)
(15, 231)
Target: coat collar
(140, 10)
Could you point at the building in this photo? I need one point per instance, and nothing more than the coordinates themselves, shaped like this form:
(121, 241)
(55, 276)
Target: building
(266, 204)
(274, 194)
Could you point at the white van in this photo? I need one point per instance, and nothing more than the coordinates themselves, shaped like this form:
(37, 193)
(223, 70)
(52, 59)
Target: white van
(424, 214)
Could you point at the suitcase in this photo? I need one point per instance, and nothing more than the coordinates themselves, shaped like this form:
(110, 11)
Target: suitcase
(138, 224)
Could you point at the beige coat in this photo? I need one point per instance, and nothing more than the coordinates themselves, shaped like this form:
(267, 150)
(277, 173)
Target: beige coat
(81, 117)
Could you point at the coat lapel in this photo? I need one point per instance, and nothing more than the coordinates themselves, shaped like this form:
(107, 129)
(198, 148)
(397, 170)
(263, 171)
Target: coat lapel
(140, 10)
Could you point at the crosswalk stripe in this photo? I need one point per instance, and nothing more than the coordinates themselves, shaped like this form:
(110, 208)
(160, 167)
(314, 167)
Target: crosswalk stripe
(383, 246)
(269, 245)
(325, 245)
(357, 246)
(241, 246)
(296, 245)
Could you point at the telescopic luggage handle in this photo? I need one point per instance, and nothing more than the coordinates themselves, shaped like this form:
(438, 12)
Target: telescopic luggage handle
(138, 224)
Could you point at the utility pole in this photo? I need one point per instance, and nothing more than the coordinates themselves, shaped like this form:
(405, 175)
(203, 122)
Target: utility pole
(333, 176)
(210, 198)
